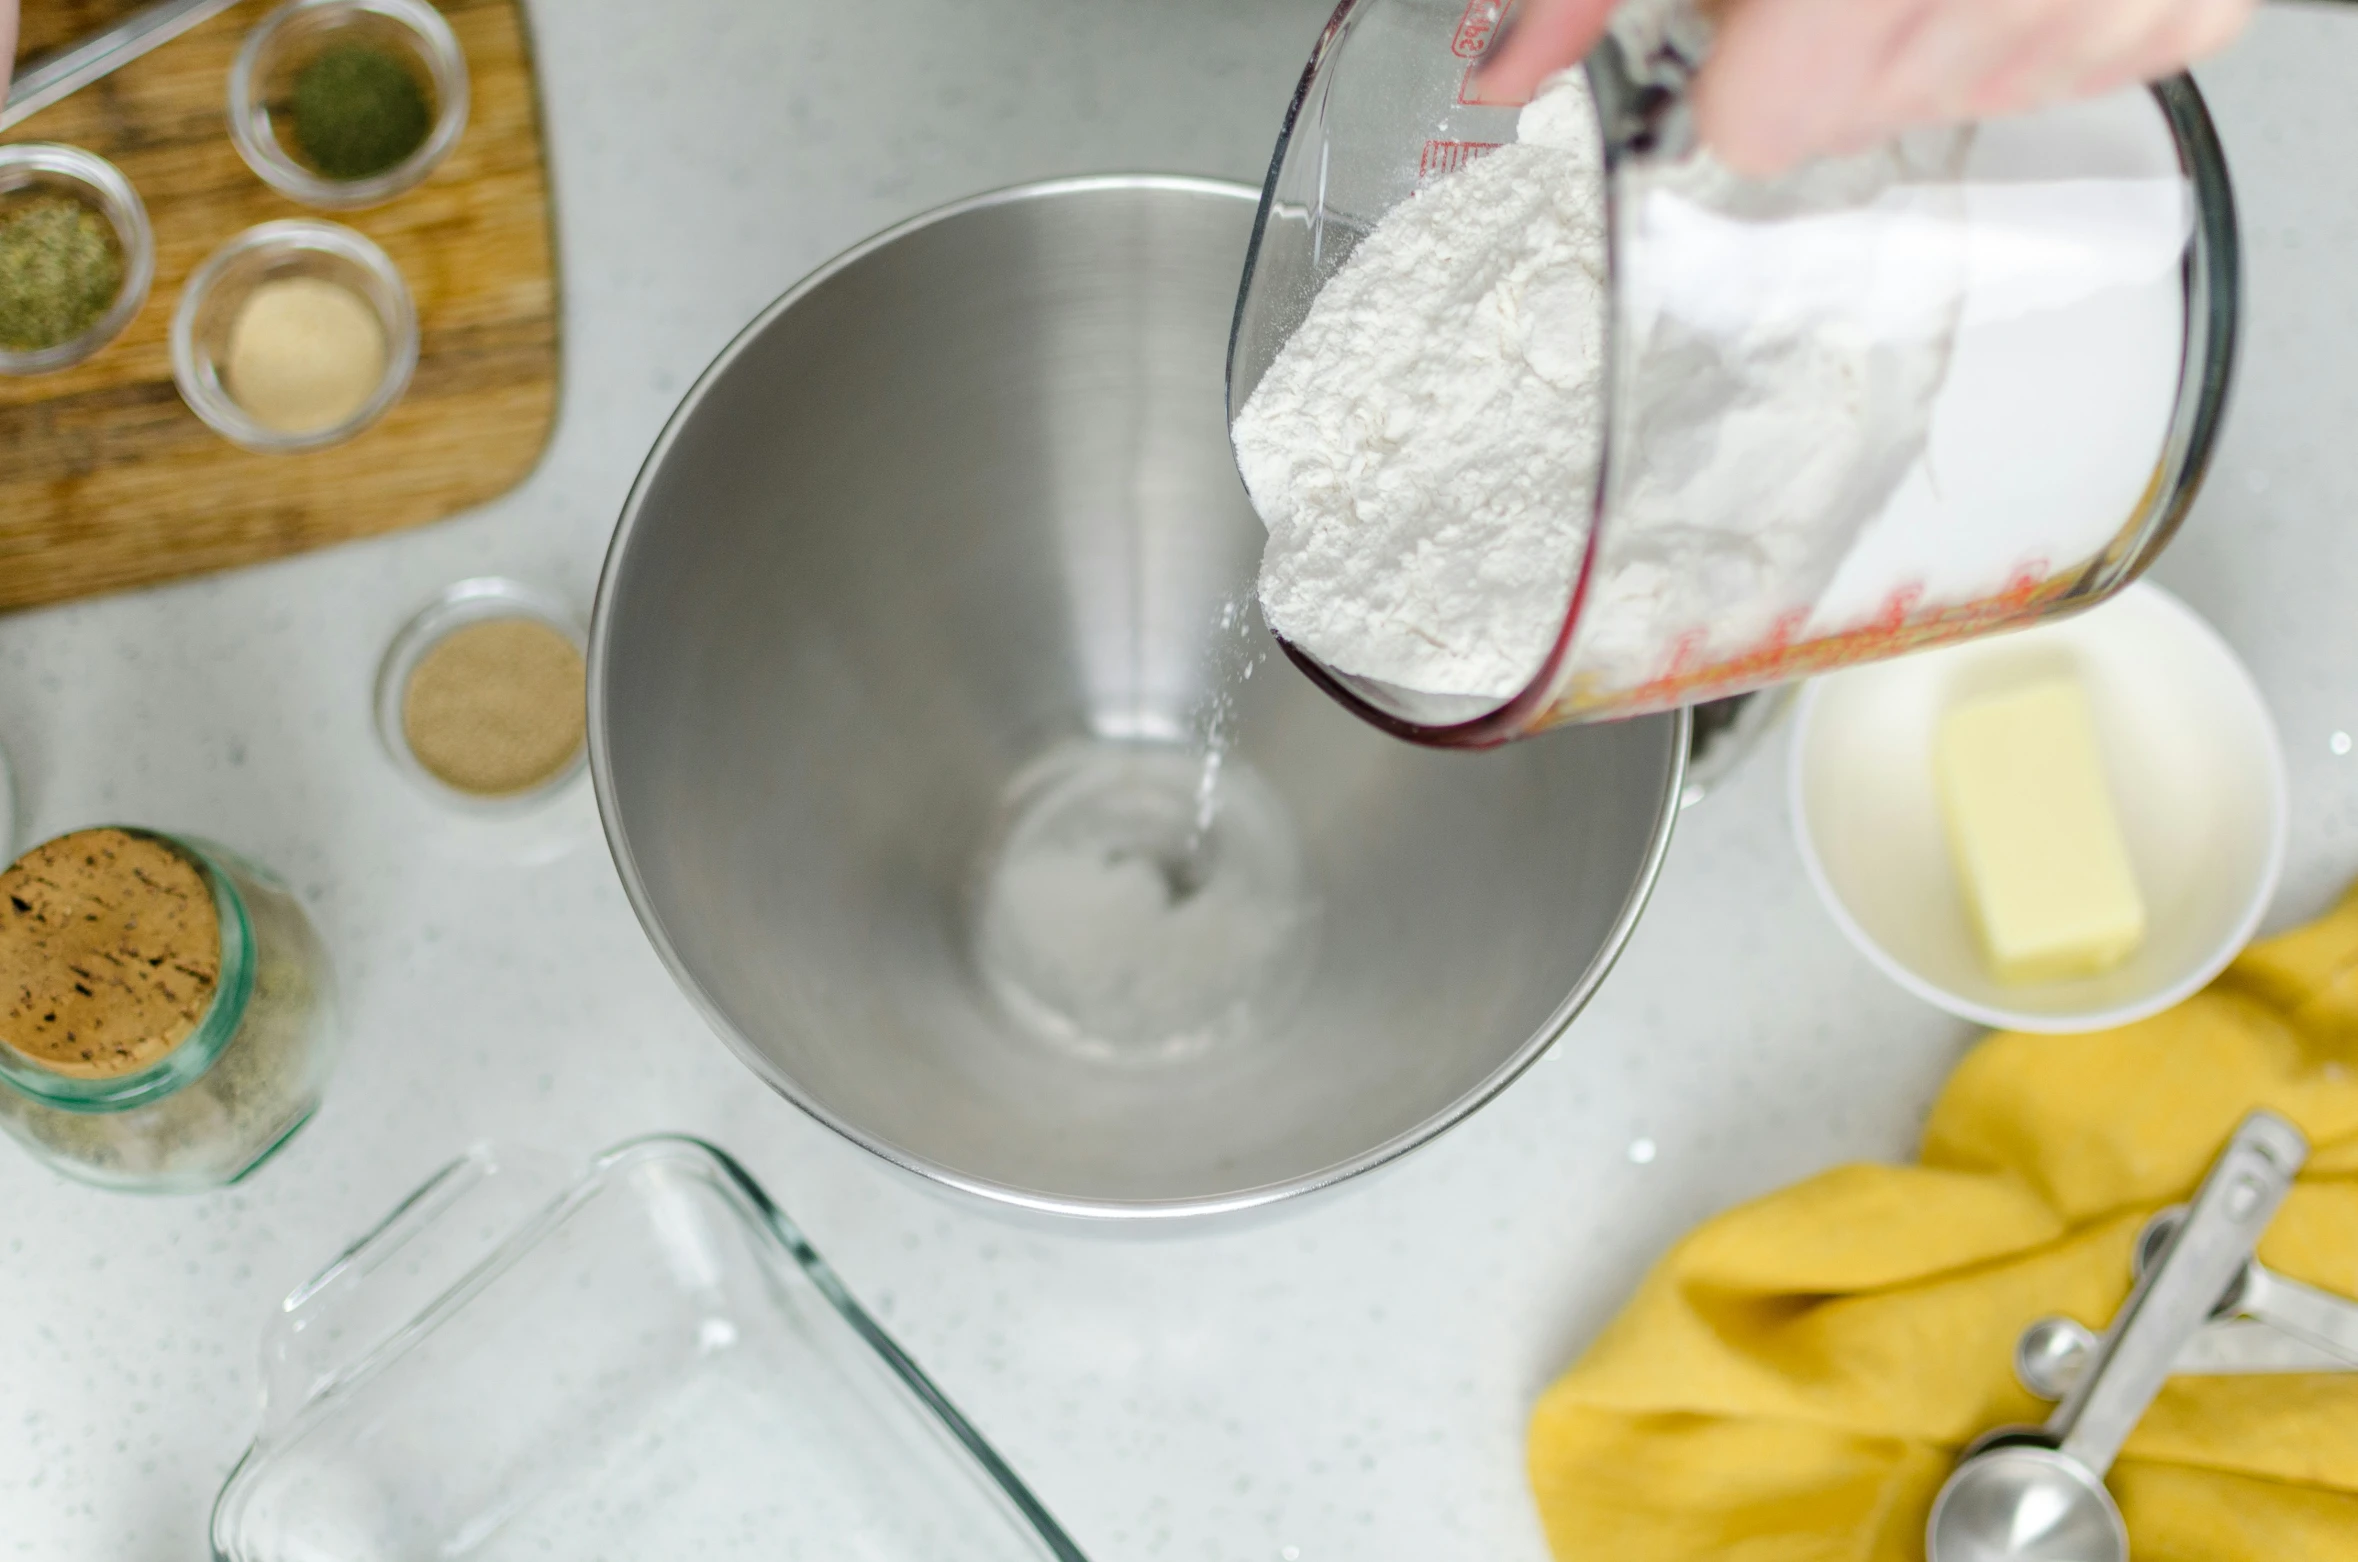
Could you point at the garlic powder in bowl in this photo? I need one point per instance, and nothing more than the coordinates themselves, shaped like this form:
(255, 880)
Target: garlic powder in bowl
(304, 354)
(294, 335)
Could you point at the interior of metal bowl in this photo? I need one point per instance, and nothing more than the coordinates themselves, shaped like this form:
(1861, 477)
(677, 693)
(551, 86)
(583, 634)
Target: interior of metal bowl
(950, 538)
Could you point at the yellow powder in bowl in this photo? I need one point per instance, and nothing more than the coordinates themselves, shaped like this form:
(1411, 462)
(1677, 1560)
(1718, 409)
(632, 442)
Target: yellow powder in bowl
(110, 952)
(304, 354)
(496, 707)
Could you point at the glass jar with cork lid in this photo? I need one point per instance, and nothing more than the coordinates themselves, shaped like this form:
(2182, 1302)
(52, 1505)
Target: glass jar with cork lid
(167, 1013)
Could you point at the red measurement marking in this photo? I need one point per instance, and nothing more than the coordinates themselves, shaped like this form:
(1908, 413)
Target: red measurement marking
(1447, 157)
(2023, 584)
(1682, 651)
(1899, 605)
(1903, 624)
(1470, 94)
(1475, 29)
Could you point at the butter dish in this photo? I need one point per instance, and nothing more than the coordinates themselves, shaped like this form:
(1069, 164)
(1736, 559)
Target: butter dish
(2198, 782)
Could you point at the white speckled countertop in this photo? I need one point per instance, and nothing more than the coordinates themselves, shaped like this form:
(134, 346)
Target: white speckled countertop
(1347, 1383)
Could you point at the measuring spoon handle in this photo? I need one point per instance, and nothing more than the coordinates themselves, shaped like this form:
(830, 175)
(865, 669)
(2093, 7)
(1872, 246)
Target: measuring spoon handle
(66, 71)
(2316, 1318)
(2238, 1197)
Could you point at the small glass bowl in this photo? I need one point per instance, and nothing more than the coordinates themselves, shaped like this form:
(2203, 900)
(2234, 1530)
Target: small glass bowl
(99, 184)
(289, 38)
(482, 599)
(297, 247)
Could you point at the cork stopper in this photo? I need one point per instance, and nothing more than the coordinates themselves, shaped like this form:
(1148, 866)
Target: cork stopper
(110, 952)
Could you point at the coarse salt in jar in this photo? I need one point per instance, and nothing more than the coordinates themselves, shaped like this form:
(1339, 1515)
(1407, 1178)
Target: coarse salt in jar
(168, 1017)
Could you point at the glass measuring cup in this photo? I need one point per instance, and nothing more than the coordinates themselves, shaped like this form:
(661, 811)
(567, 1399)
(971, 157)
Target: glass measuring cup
(2037, 315)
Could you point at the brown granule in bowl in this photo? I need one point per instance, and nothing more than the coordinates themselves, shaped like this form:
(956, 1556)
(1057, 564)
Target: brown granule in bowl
(496, 707)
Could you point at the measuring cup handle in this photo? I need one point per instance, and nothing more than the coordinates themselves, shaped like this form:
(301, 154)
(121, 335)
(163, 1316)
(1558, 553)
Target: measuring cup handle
(2237, 1199)
(1638, 76)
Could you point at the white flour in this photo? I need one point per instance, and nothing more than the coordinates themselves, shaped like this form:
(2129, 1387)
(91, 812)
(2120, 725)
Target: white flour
(1425, 448)
(1785, 371)
(1921, 376)
(1424, 451)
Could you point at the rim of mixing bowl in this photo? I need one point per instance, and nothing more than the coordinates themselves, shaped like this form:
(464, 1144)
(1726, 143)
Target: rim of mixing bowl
(1006, 1195)
(2212, 272)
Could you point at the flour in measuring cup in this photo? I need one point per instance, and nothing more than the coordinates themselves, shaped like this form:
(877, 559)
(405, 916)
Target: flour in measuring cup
(1425, 448)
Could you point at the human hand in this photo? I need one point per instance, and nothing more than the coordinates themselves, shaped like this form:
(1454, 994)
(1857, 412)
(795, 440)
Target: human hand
(1791, 79)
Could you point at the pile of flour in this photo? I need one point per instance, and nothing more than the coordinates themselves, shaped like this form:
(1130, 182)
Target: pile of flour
(1424, 450)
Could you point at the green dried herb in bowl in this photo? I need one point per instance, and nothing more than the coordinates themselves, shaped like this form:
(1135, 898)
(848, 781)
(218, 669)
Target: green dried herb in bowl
(359, 110)
(60, 269)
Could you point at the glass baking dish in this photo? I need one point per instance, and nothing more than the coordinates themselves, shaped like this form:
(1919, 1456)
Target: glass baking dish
(647, 1361)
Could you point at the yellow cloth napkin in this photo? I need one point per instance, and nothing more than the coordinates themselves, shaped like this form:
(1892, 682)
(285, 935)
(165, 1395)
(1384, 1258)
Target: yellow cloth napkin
(1793, 1380)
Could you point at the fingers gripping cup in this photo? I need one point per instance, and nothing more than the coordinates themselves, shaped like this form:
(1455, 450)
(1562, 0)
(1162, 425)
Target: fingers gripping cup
(1551, 418)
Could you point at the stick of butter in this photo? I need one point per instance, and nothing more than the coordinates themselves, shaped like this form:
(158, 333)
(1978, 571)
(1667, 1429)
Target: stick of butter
(2036, 842)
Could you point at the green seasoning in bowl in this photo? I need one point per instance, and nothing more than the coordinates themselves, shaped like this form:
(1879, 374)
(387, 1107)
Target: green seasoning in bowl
(61, 268)
(359, 110)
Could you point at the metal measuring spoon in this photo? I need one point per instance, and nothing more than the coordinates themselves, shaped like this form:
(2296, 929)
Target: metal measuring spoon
(2037, 1494)
(2053, 1353)
(2264, 1322)
(2318, 1319)
(68, 70)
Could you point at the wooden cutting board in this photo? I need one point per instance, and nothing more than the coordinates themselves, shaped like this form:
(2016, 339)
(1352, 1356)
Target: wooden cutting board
(107, 480)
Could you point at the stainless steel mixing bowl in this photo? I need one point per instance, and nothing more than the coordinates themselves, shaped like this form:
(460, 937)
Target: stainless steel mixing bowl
(905, 658)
